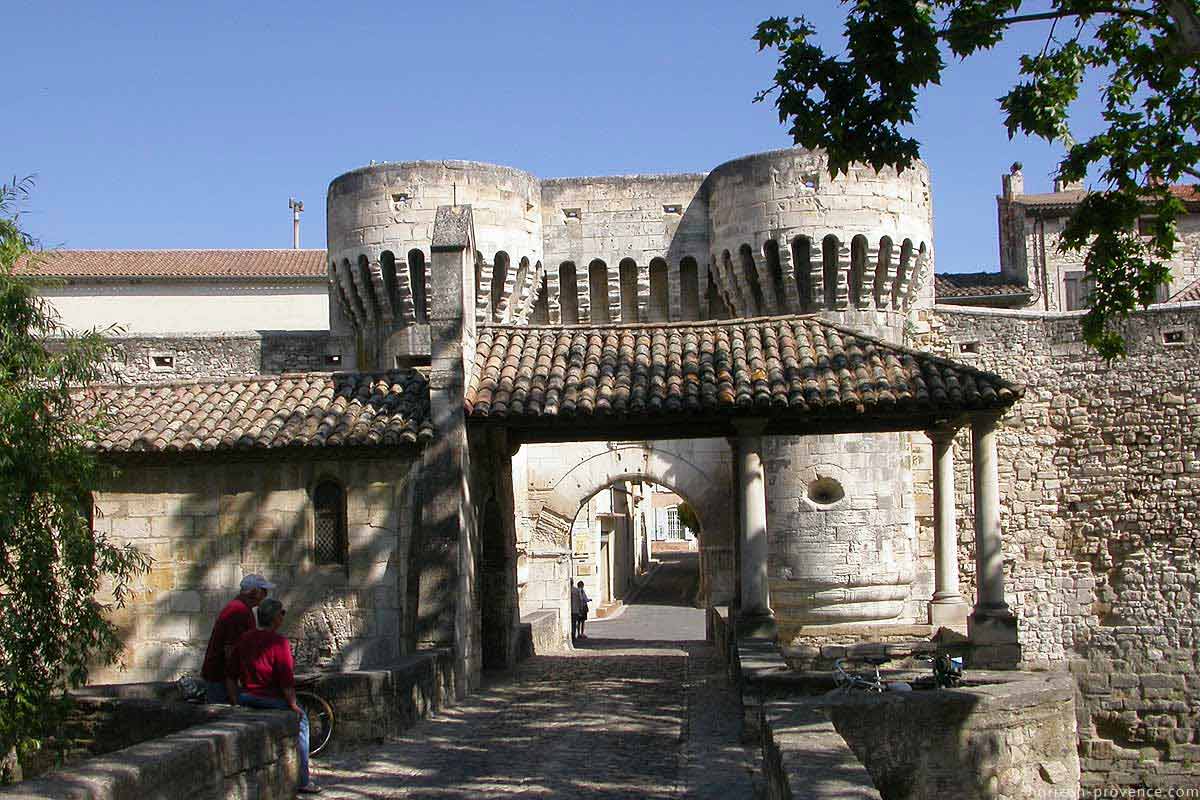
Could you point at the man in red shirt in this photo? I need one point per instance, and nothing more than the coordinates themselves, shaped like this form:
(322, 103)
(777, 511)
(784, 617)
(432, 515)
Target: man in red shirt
(263, 660)
(234, 620)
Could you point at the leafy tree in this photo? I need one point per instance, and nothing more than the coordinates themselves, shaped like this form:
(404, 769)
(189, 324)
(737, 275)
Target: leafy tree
(688, 518)
(52, 563)
(857, 104)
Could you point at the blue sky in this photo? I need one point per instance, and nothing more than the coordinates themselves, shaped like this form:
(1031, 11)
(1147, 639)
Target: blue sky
(158, 125)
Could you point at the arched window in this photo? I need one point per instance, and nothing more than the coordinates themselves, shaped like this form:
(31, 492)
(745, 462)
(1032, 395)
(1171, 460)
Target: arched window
(660, 303)
(598, 291)
(881, 272)
(716, 303)
(518, 294)
(366, 286)
(858, 270)
(416, 285)
(628, 275)
(802, 271)
(329, 523)
(689, 288)
(750, 272)
(499, 276)
(900, 282)
(775, 270)
(568, 293)
(541, 306)
(829, 266)
(387, 267)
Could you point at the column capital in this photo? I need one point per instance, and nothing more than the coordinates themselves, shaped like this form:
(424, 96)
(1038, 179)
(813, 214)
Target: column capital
(987, 419)
(945, 430)
(750, 426)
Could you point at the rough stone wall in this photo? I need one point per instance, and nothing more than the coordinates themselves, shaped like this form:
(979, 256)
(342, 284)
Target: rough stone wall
(630, 216)
(143, 359)
(1099, 489)
(206, 524)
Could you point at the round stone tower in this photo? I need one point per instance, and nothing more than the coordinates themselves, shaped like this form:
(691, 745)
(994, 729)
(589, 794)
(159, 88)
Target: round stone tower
(785, 237)
(380, 226)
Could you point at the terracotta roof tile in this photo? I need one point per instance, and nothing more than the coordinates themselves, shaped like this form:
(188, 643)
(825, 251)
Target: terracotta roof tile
(1188, 293)
(265, 412)
(797, 366)
(976, 284)
(1064, 201)
(179, 264)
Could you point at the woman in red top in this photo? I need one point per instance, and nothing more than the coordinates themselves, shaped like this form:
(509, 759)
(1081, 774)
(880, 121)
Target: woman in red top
(263, 660)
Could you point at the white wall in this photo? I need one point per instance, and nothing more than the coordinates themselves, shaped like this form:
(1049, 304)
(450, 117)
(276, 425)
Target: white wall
(187, 307)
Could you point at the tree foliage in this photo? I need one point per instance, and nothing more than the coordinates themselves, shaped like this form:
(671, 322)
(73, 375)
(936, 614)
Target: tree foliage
(52, 563)
(857, 106)
(688, 518)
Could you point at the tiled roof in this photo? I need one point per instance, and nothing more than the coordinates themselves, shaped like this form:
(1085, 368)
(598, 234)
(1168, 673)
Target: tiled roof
(976, 284)
(796, 367)
(266, 412)
(1189, 293)
(180, 264)
(1067, 200)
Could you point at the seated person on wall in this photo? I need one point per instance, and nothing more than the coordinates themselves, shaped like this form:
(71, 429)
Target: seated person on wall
(263, 660)
(235, 619)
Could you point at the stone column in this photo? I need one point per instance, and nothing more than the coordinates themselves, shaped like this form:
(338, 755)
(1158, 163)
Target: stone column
(992, 625)
(755, 618)
(948, 607)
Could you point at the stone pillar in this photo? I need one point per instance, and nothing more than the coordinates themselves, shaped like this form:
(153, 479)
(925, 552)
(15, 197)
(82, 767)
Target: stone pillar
(755, 618)
(992, 627)
(439, 581)
(948, 608)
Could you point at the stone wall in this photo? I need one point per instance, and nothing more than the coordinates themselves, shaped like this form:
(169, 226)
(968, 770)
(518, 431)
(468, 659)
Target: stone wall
(208, 522)
(143, 359)
(1099, 490)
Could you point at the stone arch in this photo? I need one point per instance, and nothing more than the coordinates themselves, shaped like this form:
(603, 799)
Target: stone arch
(858, 271)
(829, 270)
(627, 273)
(883, 272)
(417, 285)
(700, 471)
(660, 298)
(598, 291)
(568, 293)
(499, 276)
(750, 275)
(802, 268)
(689, 288)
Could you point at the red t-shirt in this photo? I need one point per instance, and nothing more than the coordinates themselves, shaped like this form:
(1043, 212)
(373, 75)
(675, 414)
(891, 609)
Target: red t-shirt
(264, 662)
(235, 619)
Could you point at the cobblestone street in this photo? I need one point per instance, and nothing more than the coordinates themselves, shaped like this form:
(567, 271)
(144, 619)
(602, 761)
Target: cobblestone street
(640, 709)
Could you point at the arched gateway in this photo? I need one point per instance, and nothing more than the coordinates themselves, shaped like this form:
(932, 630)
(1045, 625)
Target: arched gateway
(562, 480)
(574, 407)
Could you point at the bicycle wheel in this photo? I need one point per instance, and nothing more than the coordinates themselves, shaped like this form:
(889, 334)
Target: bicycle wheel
(320, 720)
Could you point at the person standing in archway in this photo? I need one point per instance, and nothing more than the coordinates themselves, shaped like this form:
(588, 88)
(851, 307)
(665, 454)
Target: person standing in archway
(579, 611)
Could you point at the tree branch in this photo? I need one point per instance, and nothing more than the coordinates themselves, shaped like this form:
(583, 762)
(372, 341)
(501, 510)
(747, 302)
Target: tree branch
(1042, 16)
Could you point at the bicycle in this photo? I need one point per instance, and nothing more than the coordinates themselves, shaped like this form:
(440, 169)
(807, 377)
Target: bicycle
(319, 713)
(848, 681)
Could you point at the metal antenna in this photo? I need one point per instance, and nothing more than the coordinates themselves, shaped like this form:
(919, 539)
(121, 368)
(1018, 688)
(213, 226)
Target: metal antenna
(296, 206)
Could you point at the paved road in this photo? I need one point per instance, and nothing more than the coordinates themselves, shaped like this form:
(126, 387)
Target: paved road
(639, 710)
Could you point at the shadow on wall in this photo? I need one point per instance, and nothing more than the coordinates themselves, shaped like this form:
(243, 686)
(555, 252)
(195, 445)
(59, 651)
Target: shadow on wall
(345, 604)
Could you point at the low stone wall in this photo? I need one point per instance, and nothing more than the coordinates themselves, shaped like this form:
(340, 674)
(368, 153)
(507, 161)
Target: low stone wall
(371, 705)
(1005, 734)
(104, 719)
(237, 754)
(540, 633)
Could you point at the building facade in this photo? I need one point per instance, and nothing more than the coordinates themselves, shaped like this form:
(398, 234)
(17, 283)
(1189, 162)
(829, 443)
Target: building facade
(761, 340)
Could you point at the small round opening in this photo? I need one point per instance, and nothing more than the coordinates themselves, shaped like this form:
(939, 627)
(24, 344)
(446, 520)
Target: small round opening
(825, 491)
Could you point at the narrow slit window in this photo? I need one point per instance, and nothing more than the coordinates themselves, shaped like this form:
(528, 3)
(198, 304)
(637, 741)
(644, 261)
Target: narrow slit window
(329, 528)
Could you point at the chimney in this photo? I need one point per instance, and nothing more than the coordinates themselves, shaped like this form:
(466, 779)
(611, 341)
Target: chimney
(1067, 186)
(296, 206)
(1014, 182)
